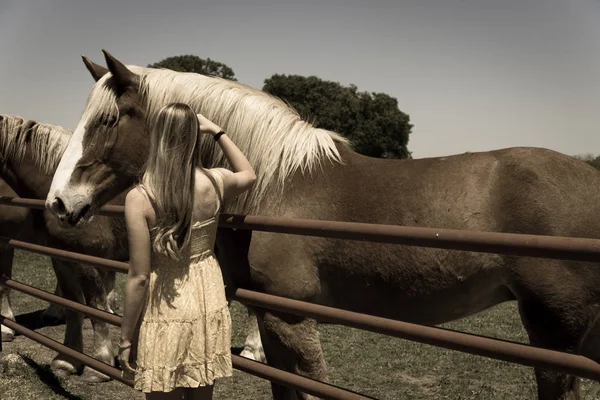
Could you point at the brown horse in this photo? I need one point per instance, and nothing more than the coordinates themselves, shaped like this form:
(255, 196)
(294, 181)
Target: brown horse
(15, 223)
(24, 140)
(18, 223)
(305, 172)
(29, 153)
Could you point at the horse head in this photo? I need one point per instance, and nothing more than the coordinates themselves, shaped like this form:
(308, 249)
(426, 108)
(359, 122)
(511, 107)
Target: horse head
(108, 148)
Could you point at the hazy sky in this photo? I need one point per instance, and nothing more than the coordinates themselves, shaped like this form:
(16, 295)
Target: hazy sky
(472, 74)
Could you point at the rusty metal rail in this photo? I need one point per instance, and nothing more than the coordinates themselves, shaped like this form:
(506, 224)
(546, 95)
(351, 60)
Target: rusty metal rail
(555, 247)
(117, 266)
(469, 343)
(306, 385)
(62, 349)
(108, 210)
(61, 301)
(285, 378)
(579, 249)
(23, 202)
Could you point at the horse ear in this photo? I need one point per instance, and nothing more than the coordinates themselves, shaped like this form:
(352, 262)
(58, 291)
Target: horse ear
(122, 75)
(97, 71)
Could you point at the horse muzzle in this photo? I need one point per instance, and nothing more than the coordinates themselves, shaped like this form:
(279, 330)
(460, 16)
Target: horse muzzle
(70, 210)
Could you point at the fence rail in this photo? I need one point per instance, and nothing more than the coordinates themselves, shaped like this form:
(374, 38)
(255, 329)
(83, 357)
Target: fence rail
(304, 384)
(516, 244)
(446, 338)
(579, 249)
(117, 266)
(62, 349)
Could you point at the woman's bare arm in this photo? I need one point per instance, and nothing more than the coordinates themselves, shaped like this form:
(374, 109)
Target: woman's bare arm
(136, 285)
(242, 178)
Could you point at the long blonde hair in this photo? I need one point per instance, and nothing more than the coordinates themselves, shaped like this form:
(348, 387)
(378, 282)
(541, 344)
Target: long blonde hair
(169, 178)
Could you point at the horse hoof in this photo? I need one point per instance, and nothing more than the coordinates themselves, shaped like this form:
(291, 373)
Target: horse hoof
(252, 355)
(62, 368)
(92, 376)
(262, 358)
(8, 336)
(247, 354)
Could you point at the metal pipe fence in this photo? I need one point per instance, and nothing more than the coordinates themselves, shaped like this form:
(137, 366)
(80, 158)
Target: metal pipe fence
(579, 249)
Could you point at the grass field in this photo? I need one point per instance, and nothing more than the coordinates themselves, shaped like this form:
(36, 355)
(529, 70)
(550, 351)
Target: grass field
(376, 365)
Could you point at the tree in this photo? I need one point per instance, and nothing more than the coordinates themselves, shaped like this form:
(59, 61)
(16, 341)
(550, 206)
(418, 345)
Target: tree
(372, 121)
(589, 158)
(191, 63)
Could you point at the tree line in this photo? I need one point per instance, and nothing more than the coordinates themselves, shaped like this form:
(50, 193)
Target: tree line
(372, 122)
(589, 158)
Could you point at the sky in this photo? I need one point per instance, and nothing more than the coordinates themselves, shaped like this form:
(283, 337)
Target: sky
(473, 75)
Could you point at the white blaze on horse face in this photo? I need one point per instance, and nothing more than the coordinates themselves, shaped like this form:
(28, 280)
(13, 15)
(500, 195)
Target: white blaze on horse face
(67, 165)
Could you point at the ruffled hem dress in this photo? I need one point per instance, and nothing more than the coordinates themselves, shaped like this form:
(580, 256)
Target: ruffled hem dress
(185, 331)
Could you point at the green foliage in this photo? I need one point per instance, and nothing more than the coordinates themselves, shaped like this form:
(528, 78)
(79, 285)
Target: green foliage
(589, 158)
(372, 121)
(191, 63)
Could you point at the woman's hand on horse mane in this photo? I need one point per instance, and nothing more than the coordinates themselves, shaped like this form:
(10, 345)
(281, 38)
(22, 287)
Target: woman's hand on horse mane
(207, 126)
(242, 178)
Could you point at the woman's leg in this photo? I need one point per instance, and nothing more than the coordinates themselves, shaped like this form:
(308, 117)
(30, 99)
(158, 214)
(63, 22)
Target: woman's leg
(176, 394)
(199, 393)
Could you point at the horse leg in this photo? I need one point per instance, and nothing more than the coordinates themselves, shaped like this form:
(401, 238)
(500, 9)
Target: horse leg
(68, 279)
(253, 348)
(291, 343)
(558, 304)
(93, 285)
(54, 313)
(590, 347)
(231, 250)
(6, 260)
(542, 333)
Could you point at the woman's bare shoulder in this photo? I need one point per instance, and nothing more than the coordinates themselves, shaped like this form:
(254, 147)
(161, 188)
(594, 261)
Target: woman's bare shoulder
(137, 201)
(135, 196)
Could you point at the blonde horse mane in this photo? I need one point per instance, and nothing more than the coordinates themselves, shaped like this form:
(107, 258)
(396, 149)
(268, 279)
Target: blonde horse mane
(46, 142)
(270, 133)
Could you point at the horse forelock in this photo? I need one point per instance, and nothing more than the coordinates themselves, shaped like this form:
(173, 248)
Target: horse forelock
(95, 134)
(273, 137)
(46, 143)
(101, 105)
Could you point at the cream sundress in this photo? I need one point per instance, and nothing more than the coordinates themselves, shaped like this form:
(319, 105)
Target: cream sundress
(185, 330)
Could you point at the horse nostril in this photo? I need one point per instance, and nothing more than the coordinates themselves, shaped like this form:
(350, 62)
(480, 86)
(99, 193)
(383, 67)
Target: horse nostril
(59, 206)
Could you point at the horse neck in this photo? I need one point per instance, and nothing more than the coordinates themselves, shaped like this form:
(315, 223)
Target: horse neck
(27, 180)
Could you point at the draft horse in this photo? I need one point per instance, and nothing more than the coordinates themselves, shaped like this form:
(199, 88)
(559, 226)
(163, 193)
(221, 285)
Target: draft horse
(29, 154)
(307, 172)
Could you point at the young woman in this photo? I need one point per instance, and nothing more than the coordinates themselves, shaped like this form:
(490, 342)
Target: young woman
(174, 281)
